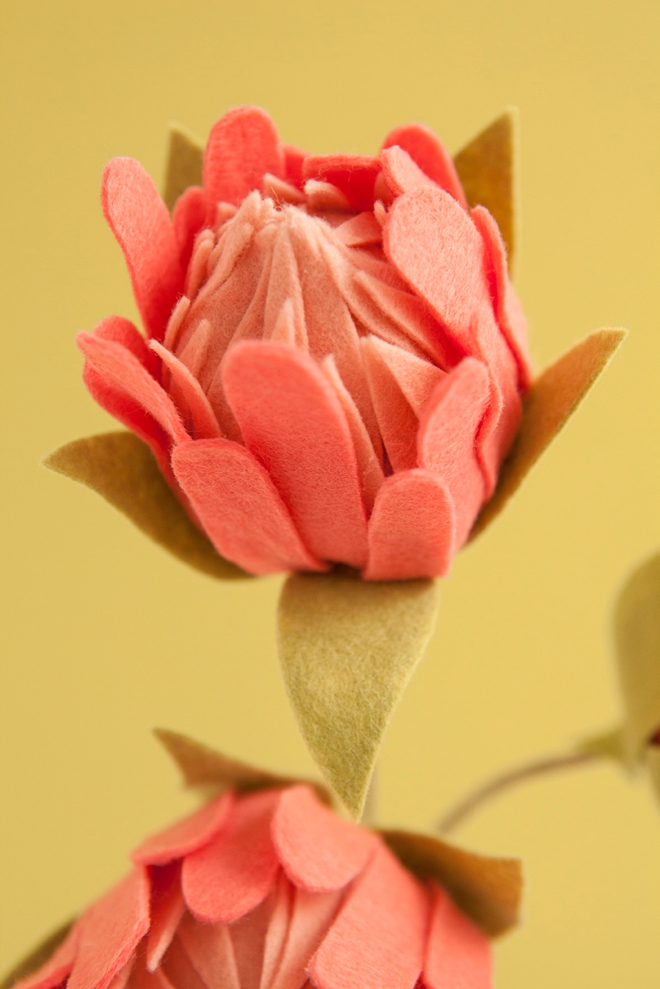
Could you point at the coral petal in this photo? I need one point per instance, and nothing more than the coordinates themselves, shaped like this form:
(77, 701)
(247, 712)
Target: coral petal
(240, 508)
(355, 175)
(110, 932)
(56, 969)
(232, 875)
(187, 835)
(189, 397)
(293, 423)
(412, 528)
(360, 231)
(458, 953)
(311, 917)
(318, 850)
(400, 171)
(242, 147)
(427, 150)
(377, 941)
(293, 164)
(141, 223)
(167, 908)
(210, 949)
(446, 438)
(188, 219)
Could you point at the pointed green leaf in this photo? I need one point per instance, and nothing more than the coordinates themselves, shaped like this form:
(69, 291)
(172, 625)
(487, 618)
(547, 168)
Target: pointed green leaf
(637, 644)
(609, 744)
(37, 957)
(488, 890)
(348, 648)
(203, 767)
(121, 468)
(185, 159)
(488, 170)
(552, 400)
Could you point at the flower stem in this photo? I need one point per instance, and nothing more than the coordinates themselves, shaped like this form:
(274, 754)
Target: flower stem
(475, 800)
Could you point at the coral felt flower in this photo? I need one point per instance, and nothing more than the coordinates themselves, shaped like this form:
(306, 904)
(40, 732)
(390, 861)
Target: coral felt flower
(269, 890)
(335, 356)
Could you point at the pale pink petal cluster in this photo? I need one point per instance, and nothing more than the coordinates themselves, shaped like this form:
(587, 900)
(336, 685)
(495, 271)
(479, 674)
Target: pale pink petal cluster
(269, 891)
(335, 357)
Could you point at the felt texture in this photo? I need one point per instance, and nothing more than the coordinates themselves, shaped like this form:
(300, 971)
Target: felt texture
(167, 909)
(488, 170)
(243, 146)
(141, 223)
(458, 953)
(185, 159)
(52, 958)
(553, 398)
(488, 890)
(347, 650)
(379, 937)
(121, 468)
(201, 766)
(185, 836)
(429, 153)
(354, 175)
(240, 508)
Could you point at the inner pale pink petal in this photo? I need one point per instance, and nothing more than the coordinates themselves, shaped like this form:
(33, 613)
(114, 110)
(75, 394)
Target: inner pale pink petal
(428, 151)
(412, 530)
(360, 230)
(318, 850)
(313, 913)
(211, 951)
(110, 931)
(458, 953)
(234, 873)
(281, 191)
(167, 909)
(292, 422)
(378, 939)
(416, 378)
(400, 172)
(195, 353)
(396, 420)
(186, 392)
(248, 935)
(179, 969)
(187, 835)
(242, 147)
(174, 324)
(280, 919)
(284, 288)
(323, 197)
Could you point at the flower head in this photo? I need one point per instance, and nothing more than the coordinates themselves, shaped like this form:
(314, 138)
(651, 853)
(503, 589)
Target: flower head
(268, 891)
(335, 355)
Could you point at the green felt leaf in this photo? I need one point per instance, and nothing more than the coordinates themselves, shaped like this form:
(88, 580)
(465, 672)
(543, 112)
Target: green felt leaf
(488, 170)
(185, 159)
(203, 767)
(637, 644)
(552, 400)
(122, 468)
(609, 744)
(37, 957)
(348, 648)
(488, 890)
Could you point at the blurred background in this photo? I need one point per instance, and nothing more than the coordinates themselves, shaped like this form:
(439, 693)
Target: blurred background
(106, 636)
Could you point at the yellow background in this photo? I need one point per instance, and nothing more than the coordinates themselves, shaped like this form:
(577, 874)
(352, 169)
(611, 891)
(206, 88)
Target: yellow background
(105, 635)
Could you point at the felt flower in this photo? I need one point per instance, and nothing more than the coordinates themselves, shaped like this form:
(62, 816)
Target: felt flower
(269, 890)
(334, 356)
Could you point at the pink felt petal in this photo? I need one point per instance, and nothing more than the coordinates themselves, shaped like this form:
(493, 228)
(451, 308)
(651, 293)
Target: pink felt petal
(369, 465)
(293, 423)
(378, 939)
(326, 197)
(187, 835)
(281, 191)
(228, 878)
(427, 150)
(239, 507)
(412, 528)
(360, 231)
(142, 978)
(187, 393)
(209, 948)
(110, 931)
(248, 935)
(275, 940)
(120, 330)
(508, 310)
(401, 173)
(124, 372)
(318, 850)
(242, 146)
(458, 954)
(179, 969)
(122, 976)
(56, 970)
(293, 164)
(446, 439)
(355, 175)
(436, 247)
(312, 915)
(417, 378)
(188, 217)
(139, 220)
(167, 909)
(396, 420)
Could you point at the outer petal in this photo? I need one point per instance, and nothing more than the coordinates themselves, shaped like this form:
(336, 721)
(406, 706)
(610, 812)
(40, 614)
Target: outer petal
(188, 218)
(377, 941)
(458, 953)
(400, 171)
(239, 507)
(242, 147)
(293, 423)
(232, 875)
(56, 970)
(412, 528)
(167, 909)
(187, 835)
(141, 223)
(354, 175)
(427, 150)
(446, 439)
(110, 932)
(318, 850)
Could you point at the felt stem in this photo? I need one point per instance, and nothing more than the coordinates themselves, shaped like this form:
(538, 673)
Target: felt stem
(475, 800)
